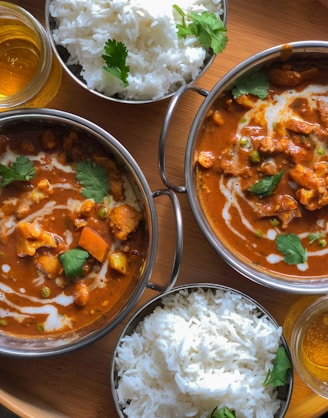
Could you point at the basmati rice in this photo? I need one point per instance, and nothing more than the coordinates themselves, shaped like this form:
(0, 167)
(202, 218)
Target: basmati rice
(202, 349)
(159, 62)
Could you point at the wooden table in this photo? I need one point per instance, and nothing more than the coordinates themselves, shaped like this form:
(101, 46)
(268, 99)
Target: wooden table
(77, 384)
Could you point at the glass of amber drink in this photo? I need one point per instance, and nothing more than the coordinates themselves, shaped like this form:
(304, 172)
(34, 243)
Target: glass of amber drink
(309, 345)
(30, 74)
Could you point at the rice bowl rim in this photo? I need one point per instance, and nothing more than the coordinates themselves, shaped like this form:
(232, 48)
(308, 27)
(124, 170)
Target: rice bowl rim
(207, 63)
(157, 301)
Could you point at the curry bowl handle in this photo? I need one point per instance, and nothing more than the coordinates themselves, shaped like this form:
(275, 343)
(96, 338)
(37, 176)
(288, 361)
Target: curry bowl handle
(164, 134)
(178, 240)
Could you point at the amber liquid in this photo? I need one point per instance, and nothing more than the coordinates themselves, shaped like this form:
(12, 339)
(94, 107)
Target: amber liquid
(315, 347)
(19, 56)
(314, 350)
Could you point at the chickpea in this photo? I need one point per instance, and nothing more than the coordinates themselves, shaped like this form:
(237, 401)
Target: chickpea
(81, 294)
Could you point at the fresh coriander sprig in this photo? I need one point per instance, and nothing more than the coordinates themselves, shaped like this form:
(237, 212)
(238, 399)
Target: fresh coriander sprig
(277, 376)
(257, 84)
(94, 179)
(207, 27)
(291, 247)
(266, 186)
(21, 169)
(73, 261)
(115, 58)
(222, 413)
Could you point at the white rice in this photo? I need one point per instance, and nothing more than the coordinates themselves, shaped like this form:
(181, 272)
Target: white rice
(201, 350)
(159, 62)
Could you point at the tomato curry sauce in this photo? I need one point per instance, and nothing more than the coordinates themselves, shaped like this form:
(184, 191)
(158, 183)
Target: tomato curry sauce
(71, 232)
(262, 168)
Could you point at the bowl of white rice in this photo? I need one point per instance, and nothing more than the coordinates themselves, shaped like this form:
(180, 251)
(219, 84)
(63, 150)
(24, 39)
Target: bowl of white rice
(136, 51)
(198, 350)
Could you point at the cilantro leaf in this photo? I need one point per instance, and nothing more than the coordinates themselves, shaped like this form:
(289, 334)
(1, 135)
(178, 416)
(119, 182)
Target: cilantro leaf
(291, 247)
(257, 84)
(207, 27)
(94, 178)
(115, 58)
(277, 376)
(266, 186)
(222, 413)
(73, 261)
(22, 169)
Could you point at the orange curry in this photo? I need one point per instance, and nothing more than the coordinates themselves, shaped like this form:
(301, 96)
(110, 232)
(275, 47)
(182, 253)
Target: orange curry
(262, 168)
(71, 232)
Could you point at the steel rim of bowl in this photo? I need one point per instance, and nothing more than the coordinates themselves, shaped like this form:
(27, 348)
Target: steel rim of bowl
(293, 285)
(149, 307)
(207, 63)
(64, 118)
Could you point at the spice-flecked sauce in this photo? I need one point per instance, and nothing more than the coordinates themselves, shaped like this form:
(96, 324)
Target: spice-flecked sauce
(43, 218)
(248, 139)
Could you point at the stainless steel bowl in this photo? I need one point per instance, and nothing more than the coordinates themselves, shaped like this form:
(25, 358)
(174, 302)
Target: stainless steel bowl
(284, 392)
(74, 71)
(299, 50)
(25, 120)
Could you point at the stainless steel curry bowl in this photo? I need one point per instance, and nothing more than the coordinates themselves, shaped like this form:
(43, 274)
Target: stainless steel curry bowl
(303, 51)
(75, 70)
(43, 346)
(121, 355)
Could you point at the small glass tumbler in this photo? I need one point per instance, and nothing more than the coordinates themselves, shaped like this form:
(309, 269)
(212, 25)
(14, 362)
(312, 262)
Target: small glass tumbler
(308, 332)
(30, 74)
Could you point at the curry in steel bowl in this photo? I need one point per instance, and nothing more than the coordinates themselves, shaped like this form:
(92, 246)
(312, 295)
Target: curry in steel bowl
(72, 236)
(262, 166)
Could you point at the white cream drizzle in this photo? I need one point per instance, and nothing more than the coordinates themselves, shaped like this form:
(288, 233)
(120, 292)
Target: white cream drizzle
(278, 109)
(38, 306)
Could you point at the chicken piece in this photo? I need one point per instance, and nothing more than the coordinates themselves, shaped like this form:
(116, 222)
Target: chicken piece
(49, 265)
(302, 127)
(30, 237)
(123, 220)
(81, 294)
(283, 207)
(286, 76)
(245, 101)
(206, 159)
(313, 191)
(42, 191)
(285, 146)
(218, 118)
(48, 140)
(26, 147)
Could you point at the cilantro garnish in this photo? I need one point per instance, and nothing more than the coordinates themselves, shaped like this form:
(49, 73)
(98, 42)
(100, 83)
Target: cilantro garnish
(73, 261)
(21, 169)
(222, 413)
(257, 84)
(115, 58)
(94, 179)
(209, 29)
(291, 247)
(277, 376)
(266, 186)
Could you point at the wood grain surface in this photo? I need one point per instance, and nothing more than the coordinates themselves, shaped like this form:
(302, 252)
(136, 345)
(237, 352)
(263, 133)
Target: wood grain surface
(78, 384)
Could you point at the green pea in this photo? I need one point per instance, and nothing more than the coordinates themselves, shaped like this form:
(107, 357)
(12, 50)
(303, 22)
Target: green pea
(102, 213)
(322, 242)
(254, 157)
